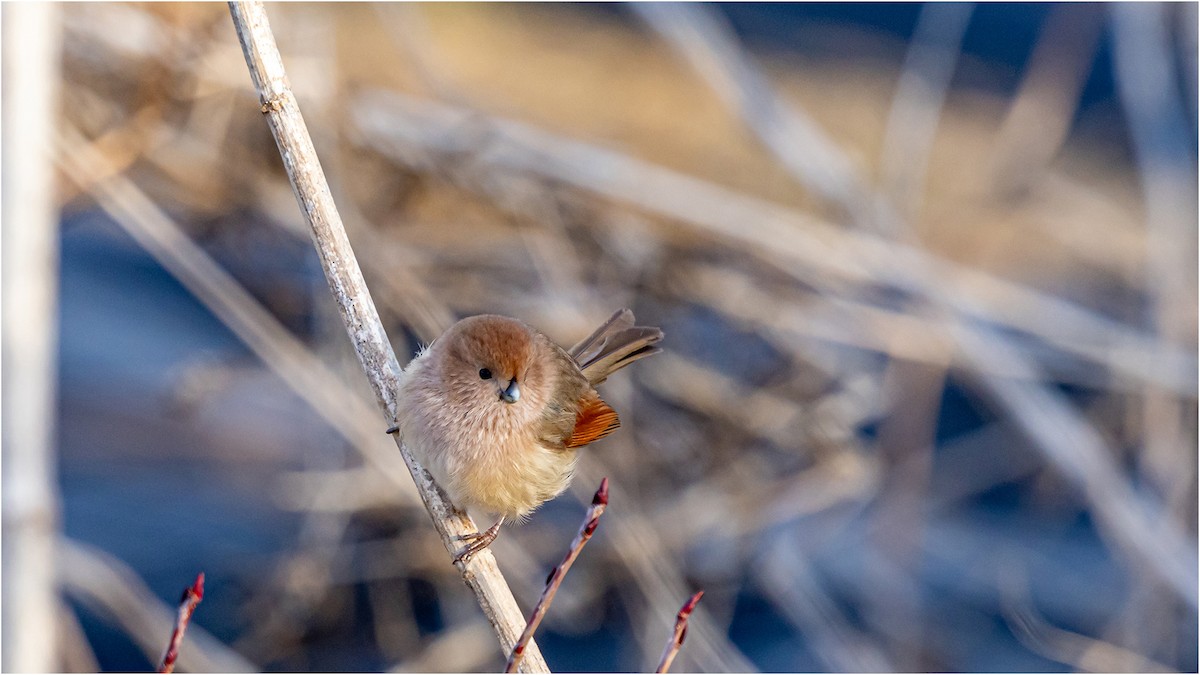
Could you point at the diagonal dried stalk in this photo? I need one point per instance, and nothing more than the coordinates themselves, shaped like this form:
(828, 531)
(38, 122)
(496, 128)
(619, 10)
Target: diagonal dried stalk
(706, 40)
(1081, 652)
(590, 522)
(1039, 118)
(912, 121)
(676, 641)
(805, 603)
(192, 595)
(358, 310)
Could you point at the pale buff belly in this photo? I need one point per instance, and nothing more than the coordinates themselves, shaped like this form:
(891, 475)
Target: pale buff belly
(510, 481)
(481, 468)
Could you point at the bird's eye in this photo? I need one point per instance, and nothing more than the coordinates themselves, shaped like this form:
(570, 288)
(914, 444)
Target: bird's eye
(485, 374)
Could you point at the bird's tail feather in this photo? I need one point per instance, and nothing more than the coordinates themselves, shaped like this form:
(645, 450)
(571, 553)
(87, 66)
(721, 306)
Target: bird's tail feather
(615, 345)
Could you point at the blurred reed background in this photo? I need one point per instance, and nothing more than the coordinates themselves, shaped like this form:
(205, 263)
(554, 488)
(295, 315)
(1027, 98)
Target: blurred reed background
(927, 275)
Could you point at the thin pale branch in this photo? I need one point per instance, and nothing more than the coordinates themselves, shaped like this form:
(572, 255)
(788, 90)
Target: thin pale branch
(1039, 119)
(358, 310)
(32, 39)
(77, 653)
(804, 602)
(700, 33)
(681, 626)
(192, 595)
(916, 109)
(590, 522)
(1082, 652)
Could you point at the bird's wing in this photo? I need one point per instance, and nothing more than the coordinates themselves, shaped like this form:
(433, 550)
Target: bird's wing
(595, 421)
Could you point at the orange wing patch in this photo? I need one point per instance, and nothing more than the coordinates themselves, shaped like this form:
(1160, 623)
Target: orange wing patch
(595, 421)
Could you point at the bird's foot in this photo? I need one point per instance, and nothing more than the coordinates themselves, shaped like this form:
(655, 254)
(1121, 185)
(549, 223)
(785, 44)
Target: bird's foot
(477, 541)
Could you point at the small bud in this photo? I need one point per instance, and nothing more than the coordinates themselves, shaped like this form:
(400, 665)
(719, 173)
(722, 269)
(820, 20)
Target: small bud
(601, 494)
(690, 605)
(197, 588)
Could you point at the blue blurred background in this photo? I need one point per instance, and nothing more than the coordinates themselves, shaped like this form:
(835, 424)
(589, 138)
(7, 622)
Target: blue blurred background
(927, 275)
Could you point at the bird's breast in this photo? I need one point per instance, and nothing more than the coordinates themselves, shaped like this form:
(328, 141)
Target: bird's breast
(504, 458)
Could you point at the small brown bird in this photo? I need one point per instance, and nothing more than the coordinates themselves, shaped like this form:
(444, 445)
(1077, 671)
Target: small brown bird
(495, 411)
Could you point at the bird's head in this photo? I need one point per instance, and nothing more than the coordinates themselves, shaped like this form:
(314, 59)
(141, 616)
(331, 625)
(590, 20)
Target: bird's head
(491, 358)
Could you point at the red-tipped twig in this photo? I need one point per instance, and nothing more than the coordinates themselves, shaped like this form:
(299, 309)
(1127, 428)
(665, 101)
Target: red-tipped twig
(192, 595)
(599, 502)
(676, 641)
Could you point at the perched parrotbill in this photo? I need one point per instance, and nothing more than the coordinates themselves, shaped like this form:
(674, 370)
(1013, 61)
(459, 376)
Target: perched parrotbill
(495, 411)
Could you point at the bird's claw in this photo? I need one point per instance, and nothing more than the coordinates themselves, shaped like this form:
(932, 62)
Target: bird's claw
(477, 541)
(470, 551)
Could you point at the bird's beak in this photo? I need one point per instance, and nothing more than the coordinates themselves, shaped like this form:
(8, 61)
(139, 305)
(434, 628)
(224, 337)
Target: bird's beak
(513, 393)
